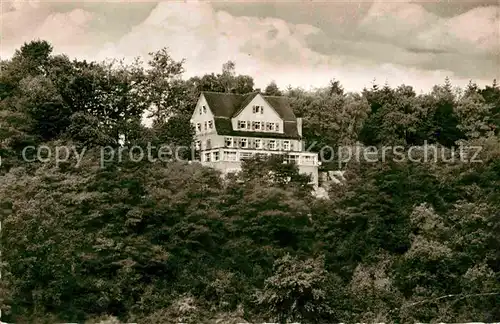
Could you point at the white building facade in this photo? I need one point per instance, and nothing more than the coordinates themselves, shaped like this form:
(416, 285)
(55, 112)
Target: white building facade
(230, 128)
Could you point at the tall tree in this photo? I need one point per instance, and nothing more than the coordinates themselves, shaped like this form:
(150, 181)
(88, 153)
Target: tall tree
(163, 87)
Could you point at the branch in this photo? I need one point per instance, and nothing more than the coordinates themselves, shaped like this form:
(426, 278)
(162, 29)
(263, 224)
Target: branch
(461, 296)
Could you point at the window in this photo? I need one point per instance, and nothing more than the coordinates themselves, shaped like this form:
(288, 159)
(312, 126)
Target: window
(277, 127)
(245, 155)
(258, 144)
(272, 144)
(206, 126)
(230, 156)
(209, 144)
(216, 156)
(197, 145)
(291, 159)
(204, 109)
(286, 145)
(242, 124)
(307, 159)
(198, 127)
(271, 127)
(210, 124)
(201, 110)
(243, 143)
(258, 109)
(229, 141)
(256, 125)
(207, 157)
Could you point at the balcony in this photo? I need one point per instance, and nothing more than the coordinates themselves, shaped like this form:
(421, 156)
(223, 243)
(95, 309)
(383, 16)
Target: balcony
(238, 155)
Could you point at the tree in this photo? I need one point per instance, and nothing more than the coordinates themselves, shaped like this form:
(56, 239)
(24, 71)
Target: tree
(85, 129)
(42, 102)
(272, 90)
(474, 116)
(227, 78)
(32, 59)
(272, 170)
(331, 120)
(297, 291)
(336, 88)
(140, 239)
(178, 133)
(445, 121)
(163, 88)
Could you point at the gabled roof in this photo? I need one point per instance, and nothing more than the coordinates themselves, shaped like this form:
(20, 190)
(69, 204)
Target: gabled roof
(224, 106)
(229, 105)
(282, 107)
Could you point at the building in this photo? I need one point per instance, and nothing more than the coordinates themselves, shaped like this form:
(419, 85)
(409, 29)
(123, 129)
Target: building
(232, 127)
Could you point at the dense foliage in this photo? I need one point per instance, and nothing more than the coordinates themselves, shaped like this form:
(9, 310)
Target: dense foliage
(168, 242)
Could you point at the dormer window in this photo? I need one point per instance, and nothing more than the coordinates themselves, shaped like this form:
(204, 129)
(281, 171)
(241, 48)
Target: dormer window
(242, 124)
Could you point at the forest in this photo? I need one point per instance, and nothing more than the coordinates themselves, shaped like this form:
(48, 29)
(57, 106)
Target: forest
(173, 242)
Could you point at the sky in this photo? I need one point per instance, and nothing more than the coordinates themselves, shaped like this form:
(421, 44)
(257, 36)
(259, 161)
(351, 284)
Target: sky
(297, 43)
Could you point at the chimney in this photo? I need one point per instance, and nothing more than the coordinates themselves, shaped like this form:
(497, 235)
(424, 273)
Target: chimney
(299, 126)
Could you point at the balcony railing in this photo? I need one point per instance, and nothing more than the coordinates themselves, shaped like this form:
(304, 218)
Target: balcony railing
(236, 155)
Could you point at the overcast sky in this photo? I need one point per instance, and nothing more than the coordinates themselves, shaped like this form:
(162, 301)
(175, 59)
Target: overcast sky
(302, 43)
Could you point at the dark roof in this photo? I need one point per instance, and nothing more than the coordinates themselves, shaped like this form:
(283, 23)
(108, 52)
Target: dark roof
(224, 127)
(223, 104)
(229, 104)
(249, 97)
(282, 107)
(226, 105)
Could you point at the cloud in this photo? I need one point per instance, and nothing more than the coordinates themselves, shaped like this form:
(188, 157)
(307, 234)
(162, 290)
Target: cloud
(405, 33)
(409, 25)
(398, 19)
(66, 31)
(477, 31)
(398, 42)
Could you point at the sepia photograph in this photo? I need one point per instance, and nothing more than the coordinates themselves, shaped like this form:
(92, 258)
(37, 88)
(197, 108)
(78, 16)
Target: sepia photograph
(231, 161)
